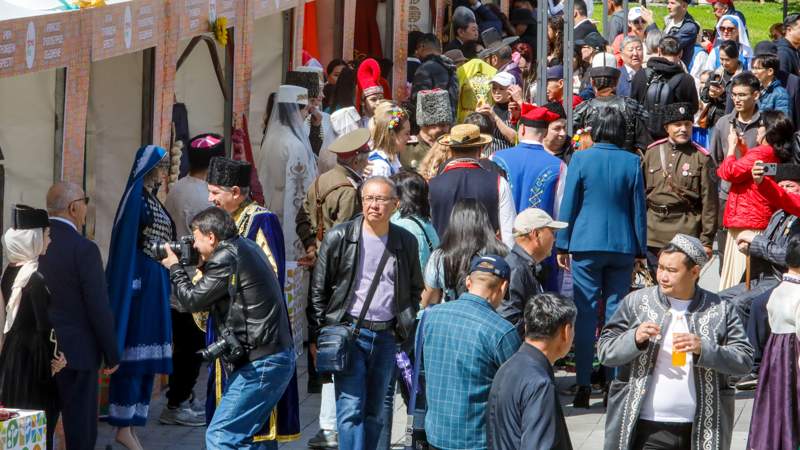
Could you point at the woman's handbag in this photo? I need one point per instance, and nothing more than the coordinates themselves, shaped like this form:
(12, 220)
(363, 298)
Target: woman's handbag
(335, 342)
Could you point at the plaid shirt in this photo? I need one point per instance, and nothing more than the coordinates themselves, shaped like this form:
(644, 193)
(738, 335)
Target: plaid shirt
(466, 342)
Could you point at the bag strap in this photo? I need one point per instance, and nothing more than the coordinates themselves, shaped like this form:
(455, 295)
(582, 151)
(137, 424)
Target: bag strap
(373, 287)
(421, 227)
(320, 202)
(419, 341)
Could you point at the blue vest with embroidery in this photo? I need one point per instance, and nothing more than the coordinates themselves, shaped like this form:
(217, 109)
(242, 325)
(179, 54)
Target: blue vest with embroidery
(533, 175)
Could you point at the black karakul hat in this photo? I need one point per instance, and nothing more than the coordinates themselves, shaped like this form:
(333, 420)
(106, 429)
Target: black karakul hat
(309, 80)
(677, 112)
(203, 147)
(228, 172)
(29, 218)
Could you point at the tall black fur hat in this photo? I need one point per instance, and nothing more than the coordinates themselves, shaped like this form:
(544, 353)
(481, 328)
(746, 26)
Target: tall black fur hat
(677, 112)
(228, 172)
(28, 218)
(305, 79)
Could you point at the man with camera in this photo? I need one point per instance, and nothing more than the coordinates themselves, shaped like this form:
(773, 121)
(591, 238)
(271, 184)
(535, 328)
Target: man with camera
(241, 292)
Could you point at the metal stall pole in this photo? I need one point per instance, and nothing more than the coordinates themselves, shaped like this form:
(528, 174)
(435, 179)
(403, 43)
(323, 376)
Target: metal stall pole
(625, 13)
(605, 17)
(541, 53)
(569, 51)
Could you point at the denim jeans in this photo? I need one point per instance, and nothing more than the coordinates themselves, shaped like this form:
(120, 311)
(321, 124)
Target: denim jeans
(250, 395)
(600, 280)
(360, 392)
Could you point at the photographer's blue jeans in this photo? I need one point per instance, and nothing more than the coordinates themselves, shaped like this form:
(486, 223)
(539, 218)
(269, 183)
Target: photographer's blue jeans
(360, 392)
(249, 397)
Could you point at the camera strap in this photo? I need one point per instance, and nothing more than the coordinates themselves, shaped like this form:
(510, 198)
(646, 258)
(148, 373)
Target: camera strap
(373, 287)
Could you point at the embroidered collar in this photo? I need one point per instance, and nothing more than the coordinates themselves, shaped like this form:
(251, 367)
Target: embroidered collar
(791, 278)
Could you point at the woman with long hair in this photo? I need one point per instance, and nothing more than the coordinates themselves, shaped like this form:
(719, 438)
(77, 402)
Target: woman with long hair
(391, 130)
(747, 210)
(469, 233)
(555, 41)
(601, 243)
(437, 155)
(139, 289)
(28, 357)
(414, 213)
(344, 92)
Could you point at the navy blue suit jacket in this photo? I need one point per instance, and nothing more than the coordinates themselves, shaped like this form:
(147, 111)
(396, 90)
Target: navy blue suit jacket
(604, 203)
(79, 308)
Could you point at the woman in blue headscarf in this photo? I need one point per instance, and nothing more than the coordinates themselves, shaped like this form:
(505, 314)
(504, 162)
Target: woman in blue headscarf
(730, 28)
(139, 290)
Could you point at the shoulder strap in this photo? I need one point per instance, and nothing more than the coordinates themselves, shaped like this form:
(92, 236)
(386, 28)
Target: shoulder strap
(320, 202)
(419, 342)
(421, 227)
(373, 286)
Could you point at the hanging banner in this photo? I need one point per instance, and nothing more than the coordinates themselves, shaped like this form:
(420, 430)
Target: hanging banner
(419, 16)
(37, 43)
(125, 27)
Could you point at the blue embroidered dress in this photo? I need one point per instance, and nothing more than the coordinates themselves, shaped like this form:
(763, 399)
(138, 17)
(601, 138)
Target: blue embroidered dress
(139, 290)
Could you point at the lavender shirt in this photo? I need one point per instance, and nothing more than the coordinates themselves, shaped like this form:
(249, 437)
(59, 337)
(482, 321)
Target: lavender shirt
(370, 251)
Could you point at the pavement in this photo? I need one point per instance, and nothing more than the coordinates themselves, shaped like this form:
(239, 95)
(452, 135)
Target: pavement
(586, 427)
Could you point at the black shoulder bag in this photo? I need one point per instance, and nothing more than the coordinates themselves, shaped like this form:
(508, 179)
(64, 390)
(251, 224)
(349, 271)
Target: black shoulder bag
(335, 342)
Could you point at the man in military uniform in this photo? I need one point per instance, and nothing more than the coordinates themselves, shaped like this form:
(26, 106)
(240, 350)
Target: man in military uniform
(332, 199)
(229, 189)
(434, 117)
(681, 196)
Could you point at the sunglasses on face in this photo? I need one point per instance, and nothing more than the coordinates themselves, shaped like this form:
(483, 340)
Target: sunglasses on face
(727, 29)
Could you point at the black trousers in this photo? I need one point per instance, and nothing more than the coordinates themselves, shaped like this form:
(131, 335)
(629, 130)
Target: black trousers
(77, 390)
(662, 436)
(187, 340)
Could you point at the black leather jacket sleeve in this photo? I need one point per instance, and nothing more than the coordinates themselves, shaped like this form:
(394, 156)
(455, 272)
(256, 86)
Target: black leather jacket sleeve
(321, 288)
(209, 289)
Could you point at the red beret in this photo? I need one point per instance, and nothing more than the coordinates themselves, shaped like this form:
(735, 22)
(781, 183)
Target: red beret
(536, 116)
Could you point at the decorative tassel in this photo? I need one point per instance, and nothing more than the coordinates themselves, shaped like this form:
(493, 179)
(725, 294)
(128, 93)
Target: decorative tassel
(175, 162)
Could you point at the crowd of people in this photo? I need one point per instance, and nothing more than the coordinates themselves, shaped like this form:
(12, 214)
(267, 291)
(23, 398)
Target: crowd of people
(455, 245)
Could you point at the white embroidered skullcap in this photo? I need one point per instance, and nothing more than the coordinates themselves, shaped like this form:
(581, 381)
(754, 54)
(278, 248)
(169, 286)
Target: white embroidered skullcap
(692, 247)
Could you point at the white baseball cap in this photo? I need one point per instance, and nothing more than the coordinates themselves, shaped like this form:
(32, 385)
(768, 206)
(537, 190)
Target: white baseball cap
(604, 59)
(533, 219)
(504, 79)
(634, 13)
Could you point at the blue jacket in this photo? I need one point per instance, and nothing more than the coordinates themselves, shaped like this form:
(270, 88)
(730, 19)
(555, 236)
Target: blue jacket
(776, 97)
(80, 311)
(604, 203)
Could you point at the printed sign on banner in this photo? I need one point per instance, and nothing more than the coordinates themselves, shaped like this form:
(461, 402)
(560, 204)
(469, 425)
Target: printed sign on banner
(27, 431)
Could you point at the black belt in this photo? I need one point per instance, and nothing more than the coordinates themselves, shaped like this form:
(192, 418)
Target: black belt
(372, 325)
(669, 209)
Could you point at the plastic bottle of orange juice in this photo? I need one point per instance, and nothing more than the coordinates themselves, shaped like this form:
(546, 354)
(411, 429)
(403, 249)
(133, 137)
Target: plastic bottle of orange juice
(680, 327)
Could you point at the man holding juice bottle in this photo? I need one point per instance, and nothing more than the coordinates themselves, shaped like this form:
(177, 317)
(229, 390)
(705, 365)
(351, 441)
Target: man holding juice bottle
(676, 344)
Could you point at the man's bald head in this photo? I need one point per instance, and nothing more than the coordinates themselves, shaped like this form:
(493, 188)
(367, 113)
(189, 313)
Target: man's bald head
(61, 194)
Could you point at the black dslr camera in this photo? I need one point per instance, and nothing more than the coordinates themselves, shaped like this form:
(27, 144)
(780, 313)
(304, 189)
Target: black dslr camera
(226, 346)
(183, 249)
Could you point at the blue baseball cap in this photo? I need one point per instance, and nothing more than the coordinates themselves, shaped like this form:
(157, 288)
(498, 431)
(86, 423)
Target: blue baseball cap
(492, 264)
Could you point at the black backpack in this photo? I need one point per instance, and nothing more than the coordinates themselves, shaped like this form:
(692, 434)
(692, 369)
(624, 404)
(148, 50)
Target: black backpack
(660, 93)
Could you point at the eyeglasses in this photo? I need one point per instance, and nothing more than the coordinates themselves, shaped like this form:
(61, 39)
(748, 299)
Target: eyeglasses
(727, 29)
(85, 200)
(379, 200)
(638, 22)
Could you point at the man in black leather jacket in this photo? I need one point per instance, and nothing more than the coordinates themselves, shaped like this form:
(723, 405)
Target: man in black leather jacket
(236, 267)
(347, 262)
(604, 82)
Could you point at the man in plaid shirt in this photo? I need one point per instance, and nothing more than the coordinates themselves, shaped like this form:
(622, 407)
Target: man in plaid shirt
(466, 342)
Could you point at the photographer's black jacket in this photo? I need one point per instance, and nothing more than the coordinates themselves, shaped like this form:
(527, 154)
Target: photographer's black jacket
(264, 326)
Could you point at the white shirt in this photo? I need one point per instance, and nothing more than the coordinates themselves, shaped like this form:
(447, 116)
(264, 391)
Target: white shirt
(672, 396)
(783, 308)
(506, 213)
(187, 197)
(382, 165)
